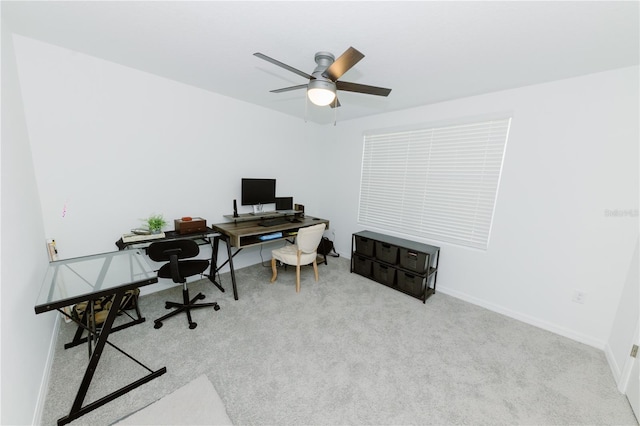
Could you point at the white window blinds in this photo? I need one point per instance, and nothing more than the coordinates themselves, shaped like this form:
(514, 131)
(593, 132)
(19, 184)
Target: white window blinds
(438, 183)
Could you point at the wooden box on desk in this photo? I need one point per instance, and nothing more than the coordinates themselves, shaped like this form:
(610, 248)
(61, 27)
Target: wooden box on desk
(186, 226)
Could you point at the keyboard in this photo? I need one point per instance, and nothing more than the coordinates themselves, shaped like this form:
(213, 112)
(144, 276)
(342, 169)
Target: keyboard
(132, 238)
(273, 222)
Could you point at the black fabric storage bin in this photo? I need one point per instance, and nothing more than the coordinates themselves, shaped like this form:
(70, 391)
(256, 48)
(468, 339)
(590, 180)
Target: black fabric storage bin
(414, 261)
(362, 265)
(364, 246)
(410, 283)
(386, 252)
(384, 274)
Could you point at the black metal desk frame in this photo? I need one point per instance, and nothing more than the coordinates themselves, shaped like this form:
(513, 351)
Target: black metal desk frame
(215, 268)
(83, 324)
(52, 302)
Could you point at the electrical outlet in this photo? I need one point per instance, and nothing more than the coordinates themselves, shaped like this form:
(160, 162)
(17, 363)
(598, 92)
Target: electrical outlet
(579, 296)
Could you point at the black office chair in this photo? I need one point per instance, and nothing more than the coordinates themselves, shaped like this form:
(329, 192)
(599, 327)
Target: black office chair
(178, 270)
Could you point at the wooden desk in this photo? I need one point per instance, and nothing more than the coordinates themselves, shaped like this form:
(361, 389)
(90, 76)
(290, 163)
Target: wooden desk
(247, 233)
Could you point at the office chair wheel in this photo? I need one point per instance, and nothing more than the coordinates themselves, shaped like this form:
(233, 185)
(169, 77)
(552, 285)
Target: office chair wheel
(201, 296)
(216, 307)
(193, 325)
(157, 325)
(167, 306)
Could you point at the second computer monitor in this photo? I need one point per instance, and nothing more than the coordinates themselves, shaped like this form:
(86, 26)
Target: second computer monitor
(284, 203)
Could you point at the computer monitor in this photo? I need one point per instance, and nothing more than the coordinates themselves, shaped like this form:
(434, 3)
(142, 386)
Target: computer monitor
(284, 203)
(258, 191)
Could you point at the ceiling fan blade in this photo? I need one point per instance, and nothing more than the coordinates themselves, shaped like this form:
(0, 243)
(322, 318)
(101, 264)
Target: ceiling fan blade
(285, 66)
(343, 64)
(362, 88)
(335, 103)
(286, 89)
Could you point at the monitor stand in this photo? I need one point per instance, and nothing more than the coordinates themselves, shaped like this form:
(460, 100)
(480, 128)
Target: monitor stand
(257, 209)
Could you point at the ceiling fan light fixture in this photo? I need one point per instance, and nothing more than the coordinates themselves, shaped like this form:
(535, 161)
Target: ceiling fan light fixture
(321, 92)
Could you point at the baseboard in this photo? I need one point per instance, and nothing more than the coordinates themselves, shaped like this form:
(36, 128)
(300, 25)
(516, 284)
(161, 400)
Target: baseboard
(622, 375)
(613, 365)
(587, 340)
(44, 384)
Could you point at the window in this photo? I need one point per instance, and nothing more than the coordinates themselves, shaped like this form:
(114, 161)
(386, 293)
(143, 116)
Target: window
(438, 182)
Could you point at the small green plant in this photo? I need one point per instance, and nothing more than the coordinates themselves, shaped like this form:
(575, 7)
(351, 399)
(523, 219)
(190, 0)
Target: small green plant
(156, 222)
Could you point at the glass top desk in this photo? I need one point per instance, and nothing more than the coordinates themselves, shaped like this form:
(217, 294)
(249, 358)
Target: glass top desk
(87, 278)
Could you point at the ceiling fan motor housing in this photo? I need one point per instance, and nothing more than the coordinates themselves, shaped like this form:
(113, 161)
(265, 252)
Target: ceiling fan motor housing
(323, 59)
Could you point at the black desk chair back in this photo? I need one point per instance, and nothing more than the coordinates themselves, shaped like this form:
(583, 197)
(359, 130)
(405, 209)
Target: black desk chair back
(178, 270)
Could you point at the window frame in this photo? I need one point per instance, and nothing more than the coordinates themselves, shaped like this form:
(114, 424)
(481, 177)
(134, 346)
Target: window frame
(438, 181)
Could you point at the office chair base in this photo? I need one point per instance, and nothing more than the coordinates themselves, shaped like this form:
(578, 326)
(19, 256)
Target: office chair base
(186, 307)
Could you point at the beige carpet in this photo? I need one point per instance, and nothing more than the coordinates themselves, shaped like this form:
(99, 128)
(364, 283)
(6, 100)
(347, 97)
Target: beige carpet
(196, 403)
(343, 351)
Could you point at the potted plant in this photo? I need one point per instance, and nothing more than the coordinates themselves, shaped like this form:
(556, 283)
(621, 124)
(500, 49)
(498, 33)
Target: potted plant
(155, 223)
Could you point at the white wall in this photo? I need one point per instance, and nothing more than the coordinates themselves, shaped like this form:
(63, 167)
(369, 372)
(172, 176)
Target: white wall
(26, 338)
(112, 145)
(572, 155)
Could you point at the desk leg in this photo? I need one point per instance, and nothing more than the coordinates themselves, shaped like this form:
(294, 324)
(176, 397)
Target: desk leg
(214, 263)
(231, 268)
(77, 410)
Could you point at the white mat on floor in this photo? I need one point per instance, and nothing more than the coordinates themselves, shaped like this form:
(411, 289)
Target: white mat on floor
(196, 403)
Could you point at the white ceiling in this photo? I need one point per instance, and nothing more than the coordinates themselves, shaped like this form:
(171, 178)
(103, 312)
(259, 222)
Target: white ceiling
(425, 51)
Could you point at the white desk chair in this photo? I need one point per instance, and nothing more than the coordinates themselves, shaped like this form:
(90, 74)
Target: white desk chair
(303, 252)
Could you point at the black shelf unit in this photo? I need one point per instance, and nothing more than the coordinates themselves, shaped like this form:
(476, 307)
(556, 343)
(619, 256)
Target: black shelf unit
(404, 265)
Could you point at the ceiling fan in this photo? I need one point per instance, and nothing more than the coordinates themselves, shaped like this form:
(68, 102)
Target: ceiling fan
(323, 82)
